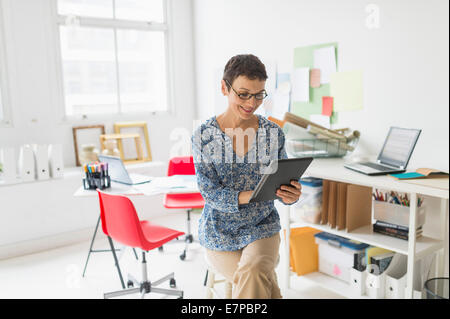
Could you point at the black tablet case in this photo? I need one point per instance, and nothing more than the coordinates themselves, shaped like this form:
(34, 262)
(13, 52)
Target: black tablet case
(288, 169)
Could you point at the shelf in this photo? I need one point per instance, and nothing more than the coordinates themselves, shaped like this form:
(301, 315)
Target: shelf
(424, 245)
(335, 285)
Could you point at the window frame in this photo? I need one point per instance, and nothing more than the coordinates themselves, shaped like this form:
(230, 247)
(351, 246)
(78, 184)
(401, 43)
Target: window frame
(6, 116)
(113, 24)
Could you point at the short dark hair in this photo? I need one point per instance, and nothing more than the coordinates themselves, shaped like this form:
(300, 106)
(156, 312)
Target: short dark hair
(247, 65)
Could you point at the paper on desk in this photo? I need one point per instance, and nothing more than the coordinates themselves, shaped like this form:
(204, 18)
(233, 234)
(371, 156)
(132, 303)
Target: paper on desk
(300, 85)
(325, 60)
(170, 184)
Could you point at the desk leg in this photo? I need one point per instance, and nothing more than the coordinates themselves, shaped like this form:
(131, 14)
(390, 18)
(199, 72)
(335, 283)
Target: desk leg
(92, 243)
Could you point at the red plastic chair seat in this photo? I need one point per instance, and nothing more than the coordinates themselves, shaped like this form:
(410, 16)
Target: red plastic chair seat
(157, 235)
(184, 201)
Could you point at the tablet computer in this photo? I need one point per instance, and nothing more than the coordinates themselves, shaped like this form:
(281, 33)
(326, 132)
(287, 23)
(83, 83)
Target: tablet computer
(280, 172)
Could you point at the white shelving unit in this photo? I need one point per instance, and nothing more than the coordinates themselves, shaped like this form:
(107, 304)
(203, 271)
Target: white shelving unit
(414, 249)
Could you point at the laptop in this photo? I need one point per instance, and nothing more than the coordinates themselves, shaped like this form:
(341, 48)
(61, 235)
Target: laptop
(394, 156)
(119, 173)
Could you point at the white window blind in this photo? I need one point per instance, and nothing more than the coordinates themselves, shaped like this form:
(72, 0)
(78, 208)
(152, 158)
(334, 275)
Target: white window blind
(114, 55)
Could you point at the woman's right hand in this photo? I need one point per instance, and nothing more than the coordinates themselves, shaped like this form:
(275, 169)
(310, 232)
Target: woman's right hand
(244, 197)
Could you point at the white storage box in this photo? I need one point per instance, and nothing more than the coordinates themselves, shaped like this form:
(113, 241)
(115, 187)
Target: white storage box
(358, 282)
(337, 255)
(309, 205)
(375, 285)
(396, 277)
(396, 214)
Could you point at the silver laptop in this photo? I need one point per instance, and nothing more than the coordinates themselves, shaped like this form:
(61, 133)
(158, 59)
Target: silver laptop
(119, 173)
(394, 155)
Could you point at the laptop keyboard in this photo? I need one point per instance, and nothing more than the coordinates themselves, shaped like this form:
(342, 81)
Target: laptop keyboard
(378, 167)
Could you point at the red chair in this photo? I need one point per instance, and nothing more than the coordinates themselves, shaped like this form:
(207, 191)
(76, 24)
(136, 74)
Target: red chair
(119, 218)
(183, 165)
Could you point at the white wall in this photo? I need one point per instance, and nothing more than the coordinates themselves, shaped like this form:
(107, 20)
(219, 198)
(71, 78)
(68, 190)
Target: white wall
(45, 214)
(405, 60)
(34, 82)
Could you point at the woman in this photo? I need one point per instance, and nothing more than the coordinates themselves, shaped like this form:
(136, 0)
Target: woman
(230, 152)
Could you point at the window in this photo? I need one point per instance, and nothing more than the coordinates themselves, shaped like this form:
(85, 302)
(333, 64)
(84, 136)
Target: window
(114, 55)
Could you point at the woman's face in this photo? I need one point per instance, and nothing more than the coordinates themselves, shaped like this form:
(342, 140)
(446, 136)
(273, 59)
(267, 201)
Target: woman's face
(241, 107)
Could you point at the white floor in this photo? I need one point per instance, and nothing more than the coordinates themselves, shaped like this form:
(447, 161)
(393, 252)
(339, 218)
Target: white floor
(57, 273)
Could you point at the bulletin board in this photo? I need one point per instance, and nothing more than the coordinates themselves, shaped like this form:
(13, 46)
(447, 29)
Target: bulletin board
(304, 57)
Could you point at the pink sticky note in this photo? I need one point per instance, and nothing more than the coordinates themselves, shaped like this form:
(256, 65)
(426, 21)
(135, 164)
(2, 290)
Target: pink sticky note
(327, 105)
(314, 78)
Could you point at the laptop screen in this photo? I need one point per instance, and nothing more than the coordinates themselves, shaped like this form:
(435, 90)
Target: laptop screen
(398, 146)
(116, 169)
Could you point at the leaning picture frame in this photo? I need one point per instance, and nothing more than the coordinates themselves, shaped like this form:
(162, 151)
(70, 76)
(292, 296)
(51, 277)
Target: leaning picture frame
(127, 147)
(86, 134)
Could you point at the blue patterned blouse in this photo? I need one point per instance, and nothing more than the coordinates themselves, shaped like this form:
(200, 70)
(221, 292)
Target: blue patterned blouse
(221, 174)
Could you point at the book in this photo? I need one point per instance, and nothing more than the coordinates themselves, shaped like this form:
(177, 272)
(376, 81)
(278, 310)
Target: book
(380, 263)
(359, 260)
(400, 236)
(394, 231)
(420, 173)
(382, 224)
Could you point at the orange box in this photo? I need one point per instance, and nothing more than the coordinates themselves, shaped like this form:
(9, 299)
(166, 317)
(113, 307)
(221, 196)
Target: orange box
(303, 250)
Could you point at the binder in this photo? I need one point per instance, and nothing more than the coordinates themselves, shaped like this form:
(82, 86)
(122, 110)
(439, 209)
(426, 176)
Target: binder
(341, 206)
(56, 163)
(332, 200)
(41, 160)
(27, 170)
(9, 165)
(325, 194)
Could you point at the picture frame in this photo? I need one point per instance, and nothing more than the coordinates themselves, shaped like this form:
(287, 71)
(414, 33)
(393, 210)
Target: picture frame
(127, 148)
(86, 134)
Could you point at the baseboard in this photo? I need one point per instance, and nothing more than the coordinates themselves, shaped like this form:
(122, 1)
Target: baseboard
(46, 243)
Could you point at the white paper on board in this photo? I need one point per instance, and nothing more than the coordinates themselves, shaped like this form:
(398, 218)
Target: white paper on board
(325, 60)
(300, 85)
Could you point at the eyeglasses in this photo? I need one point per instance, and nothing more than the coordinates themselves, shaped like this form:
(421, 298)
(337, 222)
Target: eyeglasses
(247, 96)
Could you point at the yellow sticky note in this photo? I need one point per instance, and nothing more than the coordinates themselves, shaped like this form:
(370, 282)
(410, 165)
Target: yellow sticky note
(347, 90)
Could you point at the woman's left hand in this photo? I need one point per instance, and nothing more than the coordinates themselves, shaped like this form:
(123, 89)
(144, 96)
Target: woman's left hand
(290, 194)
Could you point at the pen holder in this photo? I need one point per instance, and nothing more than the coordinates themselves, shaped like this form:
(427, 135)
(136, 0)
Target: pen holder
(97, 180)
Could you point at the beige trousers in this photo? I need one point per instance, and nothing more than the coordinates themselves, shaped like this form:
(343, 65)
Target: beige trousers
(250, 269)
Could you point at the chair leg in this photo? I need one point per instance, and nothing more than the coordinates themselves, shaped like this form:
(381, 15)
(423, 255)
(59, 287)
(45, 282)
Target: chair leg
(145, 286)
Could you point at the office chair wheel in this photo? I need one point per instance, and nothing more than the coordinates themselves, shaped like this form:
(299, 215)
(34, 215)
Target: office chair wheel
(161, 248)
(173, 283)
(183, 255)
(130, 284)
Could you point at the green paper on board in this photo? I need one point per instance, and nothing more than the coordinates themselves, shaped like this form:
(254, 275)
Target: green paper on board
(304, 57)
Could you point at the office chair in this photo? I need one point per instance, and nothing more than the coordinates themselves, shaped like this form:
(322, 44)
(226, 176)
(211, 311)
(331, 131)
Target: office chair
(183, 165)
(120, 219)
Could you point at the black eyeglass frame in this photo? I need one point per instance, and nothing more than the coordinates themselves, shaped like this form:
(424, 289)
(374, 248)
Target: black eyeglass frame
(249, 94)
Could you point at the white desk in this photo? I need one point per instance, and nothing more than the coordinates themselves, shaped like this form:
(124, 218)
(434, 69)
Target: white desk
(127, 190)
(333, 169)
